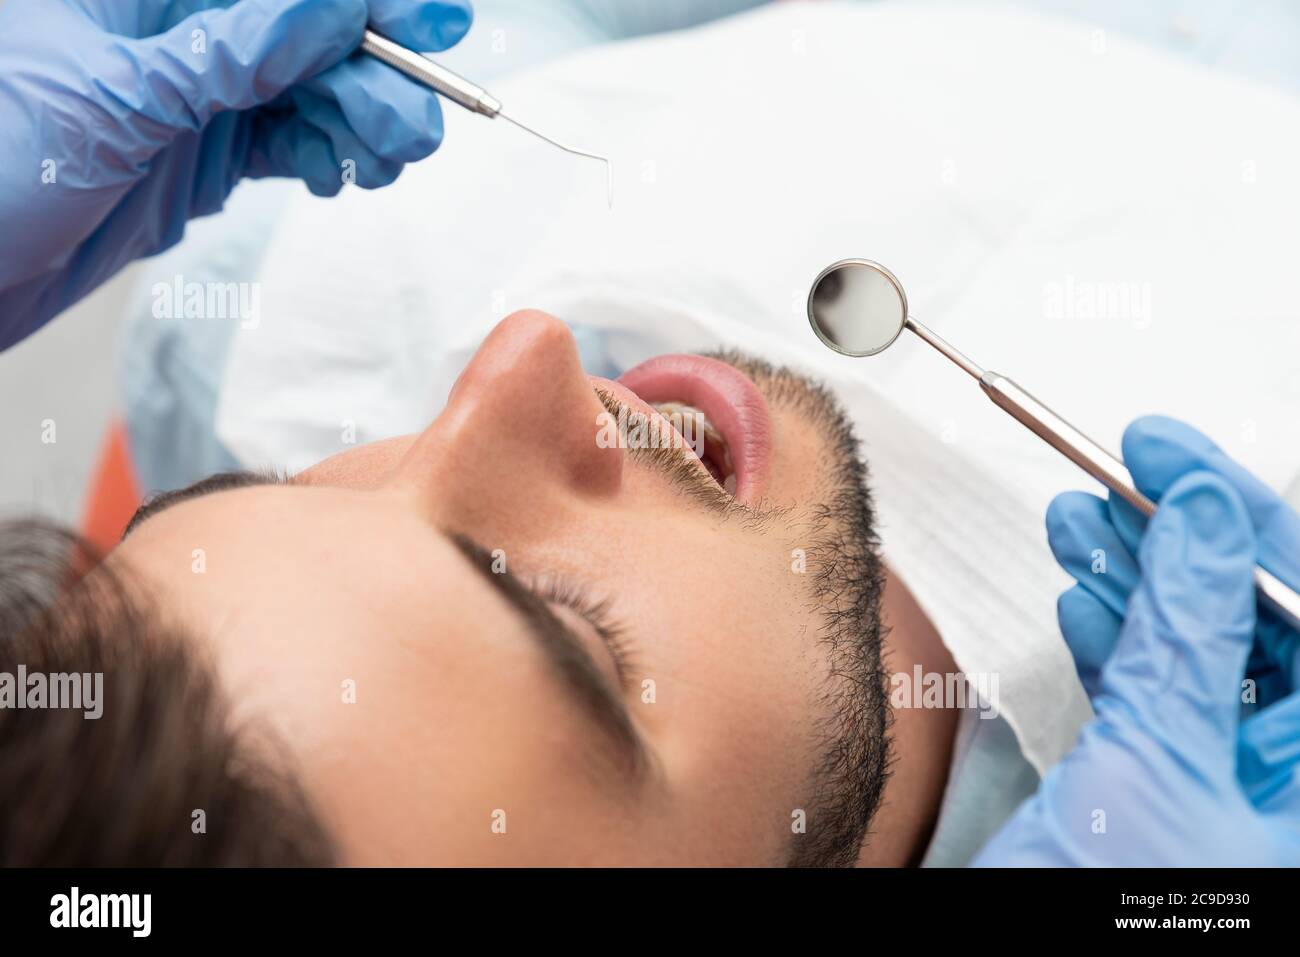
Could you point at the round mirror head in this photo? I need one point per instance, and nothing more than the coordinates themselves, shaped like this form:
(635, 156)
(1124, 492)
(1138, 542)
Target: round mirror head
(857, 307)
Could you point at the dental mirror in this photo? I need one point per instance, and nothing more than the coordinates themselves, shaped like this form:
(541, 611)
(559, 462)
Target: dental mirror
(857, 307)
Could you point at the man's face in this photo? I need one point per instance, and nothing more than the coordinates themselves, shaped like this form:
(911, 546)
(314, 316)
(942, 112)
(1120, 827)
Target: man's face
(507, 640)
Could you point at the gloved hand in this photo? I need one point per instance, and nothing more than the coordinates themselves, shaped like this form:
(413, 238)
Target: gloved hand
(1168, 773)
(1096, 541)
(119, 122)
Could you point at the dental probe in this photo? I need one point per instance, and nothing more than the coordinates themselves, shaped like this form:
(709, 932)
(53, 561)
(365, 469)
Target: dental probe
(461, 91)
(858, 308)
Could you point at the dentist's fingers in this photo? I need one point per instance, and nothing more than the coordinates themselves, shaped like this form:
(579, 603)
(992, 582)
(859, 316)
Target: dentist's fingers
(1087, 546)
(1091, 631)
(1158, 450)
(369, 170)
(253, 52)
(397, 118)
(290, 146)
(1268, 755)
(423, 25)
(1177, 667)
(1128, 522)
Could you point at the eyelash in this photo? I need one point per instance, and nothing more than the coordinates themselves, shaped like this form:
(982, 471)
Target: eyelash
(596, 613)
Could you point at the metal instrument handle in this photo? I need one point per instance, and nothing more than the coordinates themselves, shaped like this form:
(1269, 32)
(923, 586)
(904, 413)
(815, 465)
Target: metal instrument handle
(1272, 592)
(423, 70)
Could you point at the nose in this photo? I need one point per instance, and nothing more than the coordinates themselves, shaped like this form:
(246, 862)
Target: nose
(521, 421)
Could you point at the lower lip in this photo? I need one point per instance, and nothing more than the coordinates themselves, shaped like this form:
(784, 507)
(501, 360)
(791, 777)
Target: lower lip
(729, 400)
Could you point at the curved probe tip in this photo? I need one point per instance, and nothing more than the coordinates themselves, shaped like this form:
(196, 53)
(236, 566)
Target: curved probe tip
(609, 166)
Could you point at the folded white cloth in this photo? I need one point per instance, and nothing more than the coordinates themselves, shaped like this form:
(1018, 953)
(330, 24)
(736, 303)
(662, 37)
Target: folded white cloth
(1108, 225)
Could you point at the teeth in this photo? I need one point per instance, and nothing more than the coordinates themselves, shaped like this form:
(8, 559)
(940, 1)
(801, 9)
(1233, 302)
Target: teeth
(680, 412)
(683, 411)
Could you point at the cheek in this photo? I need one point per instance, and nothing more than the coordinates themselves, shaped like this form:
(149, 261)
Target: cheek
(366, 467)
(737, 665)
(733, 719)
(798, 462)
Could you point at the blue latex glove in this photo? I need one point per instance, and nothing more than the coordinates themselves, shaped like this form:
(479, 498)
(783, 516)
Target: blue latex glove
(120, 121)
(1168, 773)
(1096, 540)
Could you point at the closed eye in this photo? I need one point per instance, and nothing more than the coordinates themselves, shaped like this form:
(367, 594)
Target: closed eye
(569, 658)
(612, 634)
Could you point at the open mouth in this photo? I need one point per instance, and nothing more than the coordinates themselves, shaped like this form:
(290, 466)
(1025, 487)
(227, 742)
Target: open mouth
(734, 437)
(698, 434)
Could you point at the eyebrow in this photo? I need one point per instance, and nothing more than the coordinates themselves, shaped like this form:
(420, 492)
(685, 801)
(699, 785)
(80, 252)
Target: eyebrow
(221, 482)
(568, 657)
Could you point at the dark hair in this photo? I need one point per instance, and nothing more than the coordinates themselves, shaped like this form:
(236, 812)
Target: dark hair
(124, 789)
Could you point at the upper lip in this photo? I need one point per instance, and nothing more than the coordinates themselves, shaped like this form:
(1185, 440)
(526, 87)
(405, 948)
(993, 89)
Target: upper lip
(728, 398)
